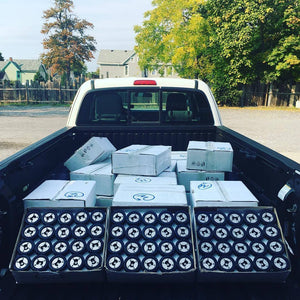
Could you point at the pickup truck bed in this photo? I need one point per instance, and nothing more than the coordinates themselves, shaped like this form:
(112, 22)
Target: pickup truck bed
(263, 171)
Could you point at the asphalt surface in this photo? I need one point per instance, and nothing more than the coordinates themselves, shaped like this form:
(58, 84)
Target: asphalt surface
(277, 129)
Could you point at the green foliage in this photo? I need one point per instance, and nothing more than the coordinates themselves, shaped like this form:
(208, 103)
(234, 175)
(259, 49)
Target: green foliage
(1, 57)
(226, 43)
(38, 77)
(66, 44)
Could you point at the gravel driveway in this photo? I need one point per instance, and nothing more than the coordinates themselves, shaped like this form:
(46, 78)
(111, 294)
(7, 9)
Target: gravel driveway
(276, 128)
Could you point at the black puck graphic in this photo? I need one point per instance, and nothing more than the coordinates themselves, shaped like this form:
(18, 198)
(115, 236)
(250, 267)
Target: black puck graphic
(81, 217)
(65, 218)
(166, 248)
(115, 262)
(208, 263)
(185, 263)
(234, 219)
(118, 217)
(166, 232)
(117, 231)
(203, 219)
(29, 232)
(43, 247)
(183, 247)
(95, 245)
(280, 263)
(77, 247)
(93, 261)
(226, 264)
(25, 247)
(39, 263)
(237, 233)
(258, 248)
(132, 264)
(22, 263)
(254, 233)
(115, 246)
(132, 248)
(262, 264)
(268, 217)
(76, 262)
(149, 218)
(60, 248)
(149, 248)
(133, 218)
(165, 218)
(204, 233)
(57, 263)
(149, 232)
(46, 232)
(181, 217)
(244, 264)
(49, 218)
(206, 248)
(97, 217)
(221, 233)
(219, 219)
(240, 249)
(133, 233)
(150, 264)
(182, 232)
(96, 231)
(32, 218)
(223, 248)
(167, 264)
(271, 231)
(251, 218)
(63, 232)
(275, 247)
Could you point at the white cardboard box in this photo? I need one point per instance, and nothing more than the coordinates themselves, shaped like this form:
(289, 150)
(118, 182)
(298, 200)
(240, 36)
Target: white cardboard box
(179, 155)
(185, 176)
(162, 179)
(209, 156)
(146, 195)
(96, 149)
(221, 194)
(101, 174)
(141, 160)
(62, 193)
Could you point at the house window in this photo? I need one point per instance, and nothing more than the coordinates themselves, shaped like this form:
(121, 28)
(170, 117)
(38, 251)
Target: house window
(126, 70)
(18, 75)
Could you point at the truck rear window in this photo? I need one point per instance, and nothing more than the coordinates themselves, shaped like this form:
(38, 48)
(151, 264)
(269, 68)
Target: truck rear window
(144, 105)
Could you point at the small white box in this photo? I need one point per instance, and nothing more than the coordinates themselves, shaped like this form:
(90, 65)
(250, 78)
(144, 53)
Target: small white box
(96, 149)
(141, 160)
(185, 176)
(145, 180)
(150, 195)
(62, 193)
(209, 156)
(101, 173)
(221, 194)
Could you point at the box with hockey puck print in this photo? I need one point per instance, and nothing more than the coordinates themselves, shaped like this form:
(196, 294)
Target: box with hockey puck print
(150, 244)
(56, 244)
(240, 244)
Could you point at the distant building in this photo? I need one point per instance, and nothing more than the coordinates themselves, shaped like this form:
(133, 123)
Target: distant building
(22, 69)
(124, 63)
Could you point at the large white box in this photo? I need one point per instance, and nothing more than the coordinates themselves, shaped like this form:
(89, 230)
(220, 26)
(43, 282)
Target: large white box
(145, 180)
(96, 149)
(221, 194)
(209, 156)
(146, 195)
(101, 174)
(185, 176)
(62, 193)
(141, 160)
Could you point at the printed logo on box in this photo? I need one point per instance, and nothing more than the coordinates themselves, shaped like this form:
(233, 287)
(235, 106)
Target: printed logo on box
(143, 197)
(204, 186)
(143, 180)
(74, 194)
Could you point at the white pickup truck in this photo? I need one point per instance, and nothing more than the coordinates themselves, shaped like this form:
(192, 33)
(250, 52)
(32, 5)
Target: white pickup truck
(149, 112)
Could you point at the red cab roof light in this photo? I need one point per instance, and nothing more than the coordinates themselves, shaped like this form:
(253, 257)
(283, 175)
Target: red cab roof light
(144, 82)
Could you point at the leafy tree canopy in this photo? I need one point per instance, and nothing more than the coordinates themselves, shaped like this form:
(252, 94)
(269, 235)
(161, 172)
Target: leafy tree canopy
(66, 44)
(1, 57)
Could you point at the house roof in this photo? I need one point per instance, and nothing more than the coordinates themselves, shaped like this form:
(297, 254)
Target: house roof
(29, 65)
(116, 57)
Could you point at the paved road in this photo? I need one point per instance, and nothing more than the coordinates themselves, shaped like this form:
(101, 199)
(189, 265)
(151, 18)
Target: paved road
(277, 129)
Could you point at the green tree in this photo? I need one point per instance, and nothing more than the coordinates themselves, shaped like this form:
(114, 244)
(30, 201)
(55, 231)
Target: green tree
(1, 57)
(66, 44)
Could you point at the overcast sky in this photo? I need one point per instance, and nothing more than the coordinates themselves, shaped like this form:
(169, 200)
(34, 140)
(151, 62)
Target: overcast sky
(21, 22)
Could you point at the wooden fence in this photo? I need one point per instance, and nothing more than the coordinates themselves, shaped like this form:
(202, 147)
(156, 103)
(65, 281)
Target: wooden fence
(38, 92)
(257, 94)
